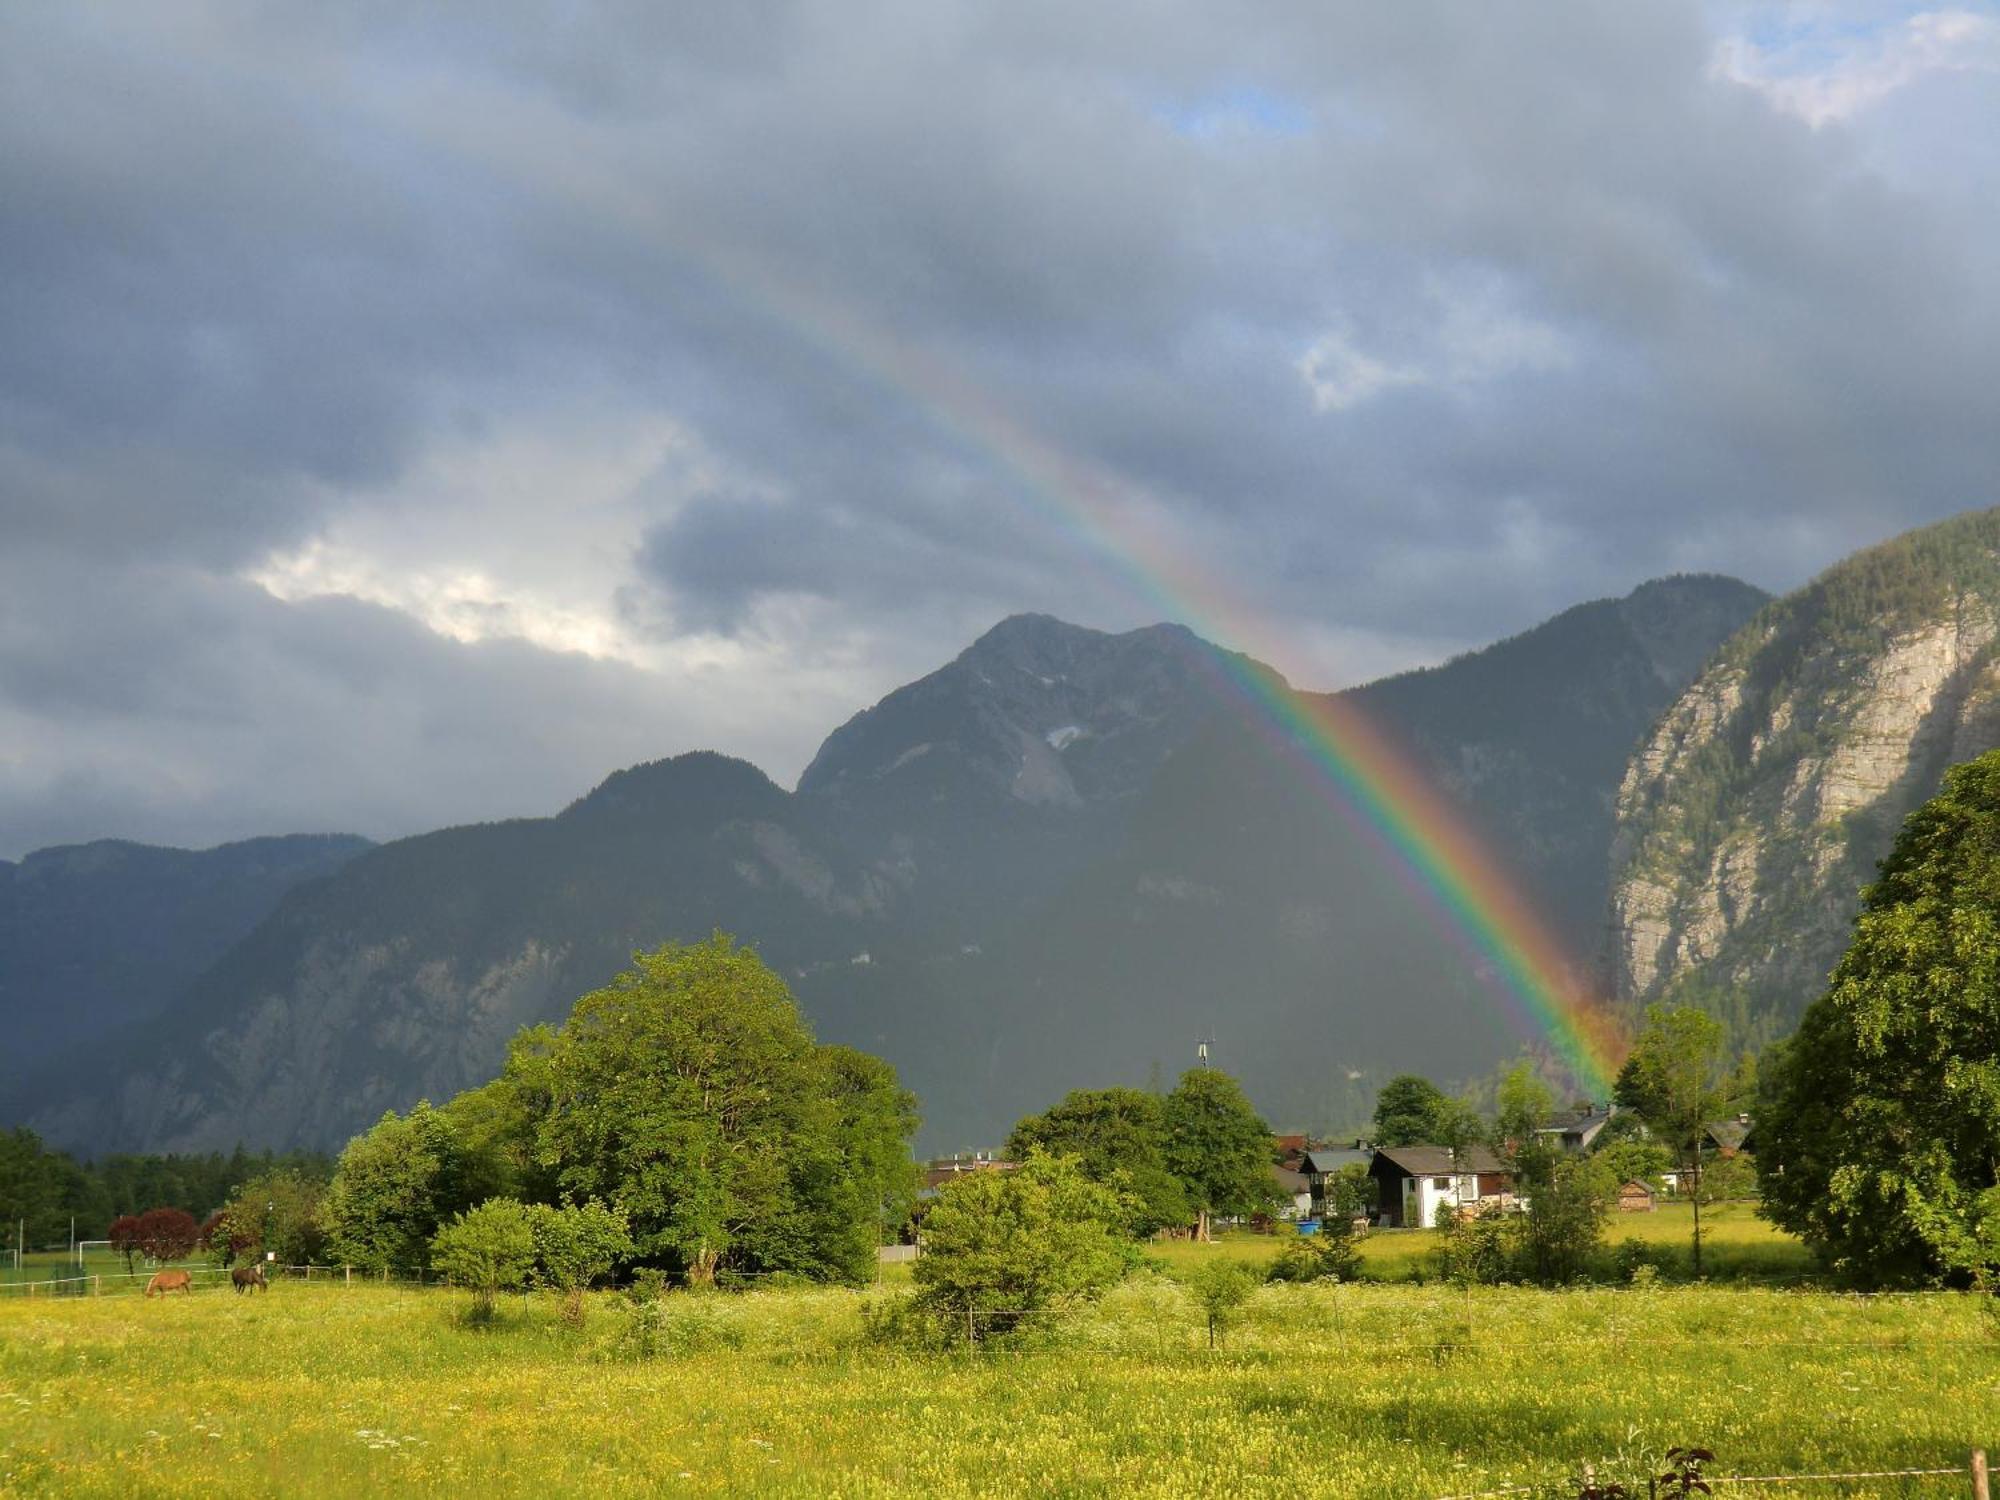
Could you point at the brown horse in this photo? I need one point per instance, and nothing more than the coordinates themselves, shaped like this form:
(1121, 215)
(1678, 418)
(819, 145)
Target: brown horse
(170, 1281)
(245, 1277)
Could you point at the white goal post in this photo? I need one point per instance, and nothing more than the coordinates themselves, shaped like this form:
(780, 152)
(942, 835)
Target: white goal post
(83, 1245)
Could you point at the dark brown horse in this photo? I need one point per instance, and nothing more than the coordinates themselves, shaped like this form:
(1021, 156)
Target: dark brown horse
(170, 1281)
(245, 1277)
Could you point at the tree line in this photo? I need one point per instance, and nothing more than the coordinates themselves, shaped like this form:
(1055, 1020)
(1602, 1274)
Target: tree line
(48, 1192)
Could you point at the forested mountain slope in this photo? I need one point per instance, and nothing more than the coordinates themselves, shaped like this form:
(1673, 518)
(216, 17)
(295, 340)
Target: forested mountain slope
(1757, 810)
(95, 937)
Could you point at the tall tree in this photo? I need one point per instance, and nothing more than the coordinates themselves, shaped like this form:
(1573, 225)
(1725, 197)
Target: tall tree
(1408, 1111)
(689, 1092)
(1522, 1106)
(279, 1212)
(1218, 1147)
(395, 1185)
(1113, 1131)
(1878, 1122)
(1674, 1081)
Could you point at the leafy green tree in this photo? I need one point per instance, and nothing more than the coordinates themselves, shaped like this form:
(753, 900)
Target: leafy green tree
(574, 1246)
(1673, 1080)
(1878, 1123)
(488, 1250)
(1222, 1287)
(39, 1189)
(1351, 1192)
(1523, 1105)
(1630, 1159)
(1218, 1147)
(875, 1117)
(1408, 1111)
(1112, 1131)
(998, 1244)
(690, 1091)
(278, 1212)
(395, 1184)
(1568, 1195)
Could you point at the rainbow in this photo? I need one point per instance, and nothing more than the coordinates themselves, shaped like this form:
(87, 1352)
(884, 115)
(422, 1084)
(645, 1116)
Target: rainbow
(1351, 762)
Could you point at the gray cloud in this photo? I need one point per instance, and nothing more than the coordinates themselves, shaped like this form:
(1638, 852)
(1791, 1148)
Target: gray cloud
(767, 352)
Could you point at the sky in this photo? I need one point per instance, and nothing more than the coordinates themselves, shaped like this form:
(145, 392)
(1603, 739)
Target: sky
(409, 414)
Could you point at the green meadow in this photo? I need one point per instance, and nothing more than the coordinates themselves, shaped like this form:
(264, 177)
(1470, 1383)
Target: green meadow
(1736, 1246)
(1363, 1389)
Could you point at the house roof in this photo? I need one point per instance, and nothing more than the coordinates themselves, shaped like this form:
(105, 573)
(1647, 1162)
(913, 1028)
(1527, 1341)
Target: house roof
(1632, 1184)
(1437, 1161)
(1579, 1123)
(1332, 1159)
(1289, 1181)
(1729, 1134)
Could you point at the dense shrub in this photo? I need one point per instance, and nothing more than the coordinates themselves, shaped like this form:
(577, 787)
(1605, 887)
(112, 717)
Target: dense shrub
(489, 1249)
(1000, 1245)
(1329, 1254)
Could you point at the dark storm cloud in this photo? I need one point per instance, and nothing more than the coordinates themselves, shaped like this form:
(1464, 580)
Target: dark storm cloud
(1415, 324)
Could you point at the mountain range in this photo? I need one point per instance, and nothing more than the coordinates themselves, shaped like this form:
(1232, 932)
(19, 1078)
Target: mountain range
(1061, 859)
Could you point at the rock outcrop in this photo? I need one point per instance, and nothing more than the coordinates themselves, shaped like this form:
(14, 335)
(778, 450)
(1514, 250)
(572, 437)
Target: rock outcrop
(1754, 814)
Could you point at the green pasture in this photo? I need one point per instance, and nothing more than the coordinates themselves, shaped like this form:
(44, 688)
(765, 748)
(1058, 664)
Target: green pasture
(1321, 1390)
(1736, 1246)
(49, 1265)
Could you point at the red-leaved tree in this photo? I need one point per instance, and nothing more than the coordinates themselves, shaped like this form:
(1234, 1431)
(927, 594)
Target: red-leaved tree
(168, 1234)
(124, 1237)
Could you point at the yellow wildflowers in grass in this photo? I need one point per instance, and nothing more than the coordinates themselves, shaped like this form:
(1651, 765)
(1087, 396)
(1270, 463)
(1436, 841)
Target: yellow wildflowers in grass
(1319, 1390)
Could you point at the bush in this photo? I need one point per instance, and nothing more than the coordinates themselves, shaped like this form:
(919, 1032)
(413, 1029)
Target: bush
(1478, 1249)
(1563, 1229)
(998, 1245)
(575, 1245)
(488, 1249)
(1636, 1262)
(1330, 1254)
(681, 1324)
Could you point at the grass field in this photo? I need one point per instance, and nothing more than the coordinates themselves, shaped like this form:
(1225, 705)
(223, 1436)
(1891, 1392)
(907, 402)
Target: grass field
(1322, 1390)
(47, 1265)
(1737, 1246)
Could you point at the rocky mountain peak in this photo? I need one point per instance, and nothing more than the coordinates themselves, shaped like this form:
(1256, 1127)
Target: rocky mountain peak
(1035, 711)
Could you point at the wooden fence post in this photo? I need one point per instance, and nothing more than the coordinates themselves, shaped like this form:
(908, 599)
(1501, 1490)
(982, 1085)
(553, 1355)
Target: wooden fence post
(347, 1275)
(96, 1285)
(1980, 1488)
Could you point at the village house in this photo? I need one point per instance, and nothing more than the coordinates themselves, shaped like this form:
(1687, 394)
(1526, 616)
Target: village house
(1723, 1140)
(1413, 1182)
(1294, 1193)
(1323, 1163)
(1577, 1129)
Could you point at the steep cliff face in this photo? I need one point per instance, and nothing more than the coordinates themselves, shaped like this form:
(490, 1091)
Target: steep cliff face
(1752, 816)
